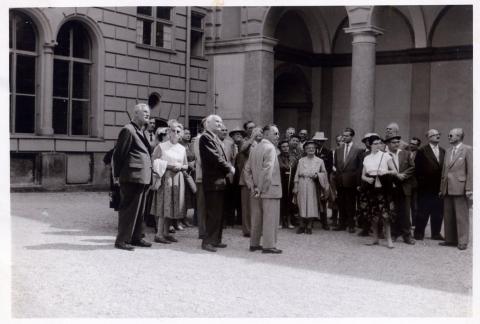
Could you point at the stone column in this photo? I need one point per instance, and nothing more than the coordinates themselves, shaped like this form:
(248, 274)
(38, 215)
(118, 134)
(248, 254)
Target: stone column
(46, 91)
(362, 95)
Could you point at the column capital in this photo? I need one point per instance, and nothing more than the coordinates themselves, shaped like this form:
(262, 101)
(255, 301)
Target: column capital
(364, 34)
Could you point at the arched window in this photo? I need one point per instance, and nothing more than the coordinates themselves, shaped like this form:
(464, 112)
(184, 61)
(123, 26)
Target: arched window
(72, 80)
(23, 61)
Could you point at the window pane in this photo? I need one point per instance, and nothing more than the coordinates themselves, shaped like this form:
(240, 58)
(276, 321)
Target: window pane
(81, 80)
(63, 40)
(60, 78)
(164, 13)
(10, 31)
(25, 33)
(159, 35)
(60, 115)
(147, 32)
(81, 41)
(24, 114)
(80, 117)
(10, 74)
(196, 43)
(147, 11)
(197, 21)
(25, 74)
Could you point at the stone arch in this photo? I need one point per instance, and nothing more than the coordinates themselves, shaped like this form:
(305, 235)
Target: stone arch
(338, 32)
(313, 21)
(44, 28)
(442, 15)
(417, 22)
(381, 20)
(98, 68)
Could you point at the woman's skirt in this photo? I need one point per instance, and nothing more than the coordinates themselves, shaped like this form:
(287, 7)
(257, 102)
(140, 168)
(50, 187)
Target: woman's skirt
(169, 200)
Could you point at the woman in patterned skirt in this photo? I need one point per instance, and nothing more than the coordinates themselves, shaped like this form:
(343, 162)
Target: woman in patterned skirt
(377, 166)
(169, 163)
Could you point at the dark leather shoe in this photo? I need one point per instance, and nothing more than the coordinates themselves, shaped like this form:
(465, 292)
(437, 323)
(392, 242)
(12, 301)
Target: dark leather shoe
(256, 248)
(171, 238)
(141, 243)
(246, 235)
(209, 248)
(340, 228)
(308, 231)
(326, 227)
(220, 245)
(462, 246)
(300, 230)
(161, 240)
(272, 251)
(363, 233)
(438, 237)
(409, 240)
(351, 230)
(447, 244)
(418, 237)
(124, 246)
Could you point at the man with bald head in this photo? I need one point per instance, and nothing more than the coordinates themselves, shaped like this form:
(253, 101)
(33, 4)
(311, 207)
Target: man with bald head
(215, 168)
(392, 130)
(456, 188)
(428, 171)
(133, 171)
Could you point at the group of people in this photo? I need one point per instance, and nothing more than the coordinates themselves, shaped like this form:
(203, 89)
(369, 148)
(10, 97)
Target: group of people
(256, 177)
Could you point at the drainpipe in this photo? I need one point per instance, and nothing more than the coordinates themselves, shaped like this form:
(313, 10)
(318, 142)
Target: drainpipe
(187, 67)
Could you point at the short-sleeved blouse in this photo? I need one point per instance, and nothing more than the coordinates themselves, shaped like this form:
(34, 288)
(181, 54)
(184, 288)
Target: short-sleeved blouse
(374, 162)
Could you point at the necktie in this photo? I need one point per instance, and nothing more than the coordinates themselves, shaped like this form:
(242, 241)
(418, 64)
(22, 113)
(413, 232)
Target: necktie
(151, 138)
(435, 151)
(347, 146)
(453, 154)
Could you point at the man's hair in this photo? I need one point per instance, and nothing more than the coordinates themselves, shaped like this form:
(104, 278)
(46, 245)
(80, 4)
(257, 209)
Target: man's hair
(419, 141)
(246, 124)
(350, 130)
(268, 127)
(393, 125)
(459, 131)
(140, 106)
(303, 129)
(287, 128)
(210, 117)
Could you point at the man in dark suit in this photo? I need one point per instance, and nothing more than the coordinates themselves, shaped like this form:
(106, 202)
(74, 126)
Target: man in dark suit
(215, 168)
(348, 165)
(457, 188)
(428, 171)
(133, 171)
(327, 157)
(402, 189)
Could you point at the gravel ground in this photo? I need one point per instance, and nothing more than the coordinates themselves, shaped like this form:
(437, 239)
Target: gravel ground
(65, 265)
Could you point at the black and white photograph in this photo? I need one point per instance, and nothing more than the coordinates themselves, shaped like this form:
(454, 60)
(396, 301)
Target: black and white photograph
(239, 160)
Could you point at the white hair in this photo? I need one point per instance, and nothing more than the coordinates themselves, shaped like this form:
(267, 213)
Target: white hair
(140, 106)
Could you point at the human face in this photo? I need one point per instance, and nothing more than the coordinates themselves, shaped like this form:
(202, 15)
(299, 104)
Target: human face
(290, 131)
(339, 140)
(142, 116)
(284, 147)
(303, 134)
(151, 125)
(393, 145)
(186, 135)
(294, 141)
(272, 135)
(434, 136)
(310, 149)
(376, 145)
(454, 137)
(214, 124)
(223, 133)
(347, 137)
(250, 127)
(175, 133)
(237, 137)
(413, 145)
(391, 130)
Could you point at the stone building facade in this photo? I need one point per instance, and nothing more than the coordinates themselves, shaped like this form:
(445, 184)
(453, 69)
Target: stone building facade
(320, 68)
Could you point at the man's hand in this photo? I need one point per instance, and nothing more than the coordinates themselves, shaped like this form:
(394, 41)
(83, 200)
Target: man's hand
(116, 181)
(469, 194)
(401, 176)
(256, 192)
(232, 170)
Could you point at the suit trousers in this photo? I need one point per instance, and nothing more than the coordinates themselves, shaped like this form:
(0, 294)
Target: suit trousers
(265, 214)
(214, 216)
(201, 210)
(130, 212)
(430, 205)
(246, 217)
(401, 224)
(347, 198)
(456, 218)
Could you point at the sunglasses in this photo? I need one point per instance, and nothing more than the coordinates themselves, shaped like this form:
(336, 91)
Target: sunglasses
(176, 131)
(434, 135)
(394, 142)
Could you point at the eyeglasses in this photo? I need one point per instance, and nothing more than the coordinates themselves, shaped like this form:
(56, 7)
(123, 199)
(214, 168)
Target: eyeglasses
(394, 142)
(176, 131)
(434, 135)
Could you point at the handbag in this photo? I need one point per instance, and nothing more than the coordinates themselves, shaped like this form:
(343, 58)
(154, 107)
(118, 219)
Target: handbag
(190, 182)
(115, 197)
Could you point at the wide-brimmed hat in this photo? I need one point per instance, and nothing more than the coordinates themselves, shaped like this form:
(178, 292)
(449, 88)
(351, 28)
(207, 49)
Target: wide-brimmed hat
(390, 138)
(319, 136)
(237, 130)
(309, 142)
(368, 135)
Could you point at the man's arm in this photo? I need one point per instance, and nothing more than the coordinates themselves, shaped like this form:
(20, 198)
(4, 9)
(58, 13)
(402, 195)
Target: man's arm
(469, 170)
(120, 154)
(211, 157)
(267, 169)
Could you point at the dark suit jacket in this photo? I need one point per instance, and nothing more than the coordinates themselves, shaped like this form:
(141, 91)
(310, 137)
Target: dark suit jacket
(407, 167)
(215, 166)
(326, 155)
(457, 175)
(428, 170)
(131, 157)
(348, 172)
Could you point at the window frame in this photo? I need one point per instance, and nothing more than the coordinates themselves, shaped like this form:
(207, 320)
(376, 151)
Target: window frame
(71, 60)
(14, 52)
(154, 20)
(200, 31)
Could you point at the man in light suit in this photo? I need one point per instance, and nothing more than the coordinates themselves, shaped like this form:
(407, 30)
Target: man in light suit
(133, 171)
(348, 165)
(457, 188)
(262, 176)
(428, 170)
(215, 168)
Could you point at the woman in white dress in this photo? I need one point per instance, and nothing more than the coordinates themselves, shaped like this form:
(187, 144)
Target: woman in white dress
(169, 163)
(376, 167)
(305, 188)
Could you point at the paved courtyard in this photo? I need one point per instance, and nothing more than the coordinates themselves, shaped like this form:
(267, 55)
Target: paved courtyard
(65, 265)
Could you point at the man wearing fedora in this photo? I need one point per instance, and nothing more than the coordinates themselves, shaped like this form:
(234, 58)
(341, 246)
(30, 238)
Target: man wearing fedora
(401, 189)
(326, 155)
